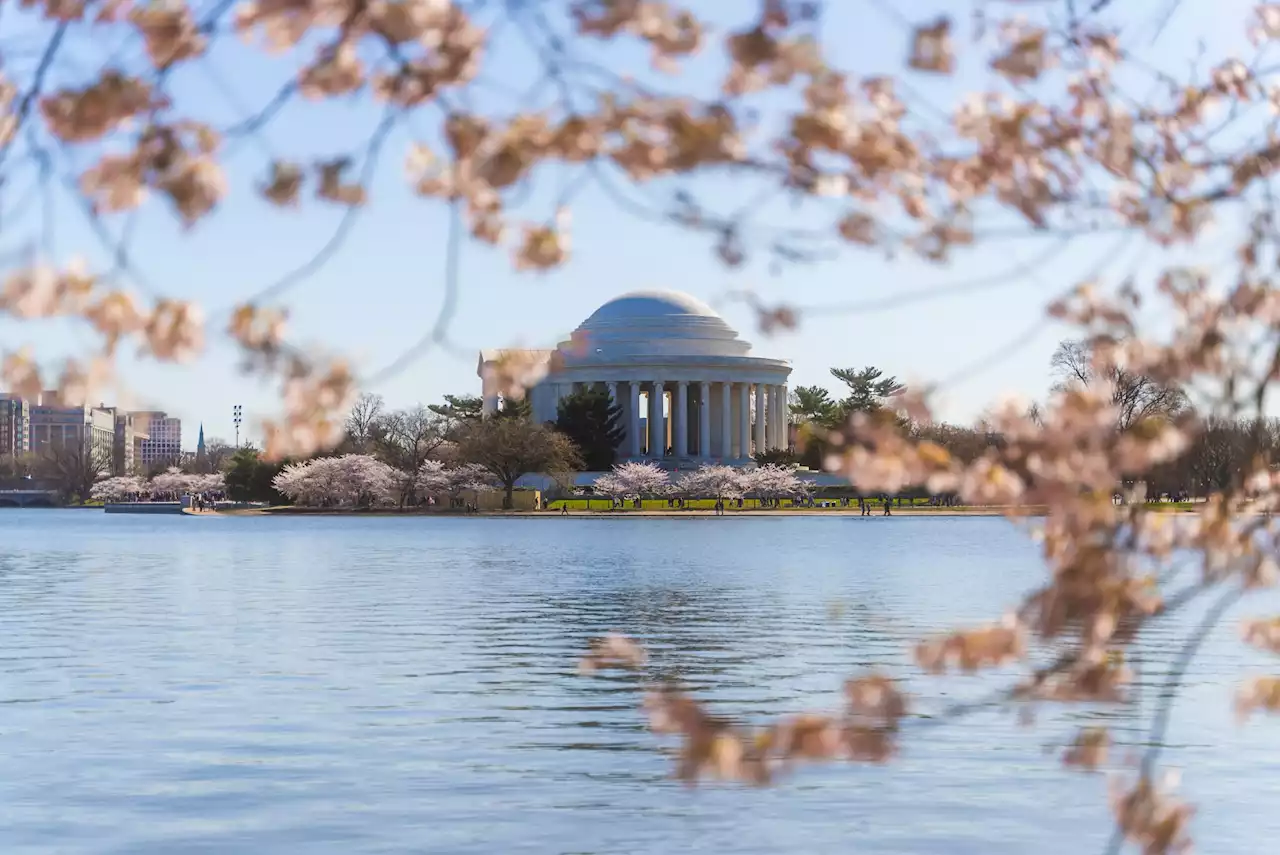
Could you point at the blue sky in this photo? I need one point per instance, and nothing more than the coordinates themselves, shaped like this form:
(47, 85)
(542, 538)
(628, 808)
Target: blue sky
(381, 291)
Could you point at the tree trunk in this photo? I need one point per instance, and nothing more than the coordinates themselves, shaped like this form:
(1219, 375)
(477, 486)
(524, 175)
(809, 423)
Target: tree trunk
(508, 498)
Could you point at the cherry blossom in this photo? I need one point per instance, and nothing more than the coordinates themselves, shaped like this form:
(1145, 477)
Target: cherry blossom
(633, 480)
(773, 482)
(347, 481)
(713, 482)
(119, 487)
(434, 478)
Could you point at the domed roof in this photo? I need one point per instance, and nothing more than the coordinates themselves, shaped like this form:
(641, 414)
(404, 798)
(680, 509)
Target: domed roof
(655, 323)
(648, 305)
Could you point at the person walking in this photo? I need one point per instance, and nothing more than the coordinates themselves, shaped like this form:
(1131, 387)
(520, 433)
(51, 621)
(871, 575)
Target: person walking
(888, 506)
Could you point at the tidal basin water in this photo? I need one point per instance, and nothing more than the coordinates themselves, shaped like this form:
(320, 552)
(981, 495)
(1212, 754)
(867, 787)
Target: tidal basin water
(346, 685)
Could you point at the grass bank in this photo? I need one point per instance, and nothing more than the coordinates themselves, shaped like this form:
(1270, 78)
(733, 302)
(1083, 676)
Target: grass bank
(650, 509)
(696, 507)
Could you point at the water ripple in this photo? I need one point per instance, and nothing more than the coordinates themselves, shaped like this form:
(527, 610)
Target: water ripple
(363, 686)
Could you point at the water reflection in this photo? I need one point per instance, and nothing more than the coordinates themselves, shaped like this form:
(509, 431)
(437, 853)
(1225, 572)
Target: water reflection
(382, 685)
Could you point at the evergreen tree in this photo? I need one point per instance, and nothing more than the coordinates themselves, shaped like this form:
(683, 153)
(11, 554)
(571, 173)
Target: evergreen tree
(513, 408)
(249, 478)
(594, 423)
(868, 387)
(458, 407)
(776, 457)
(813, 405)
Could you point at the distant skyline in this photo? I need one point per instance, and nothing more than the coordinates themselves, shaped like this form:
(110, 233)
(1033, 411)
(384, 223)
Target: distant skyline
(382, 289)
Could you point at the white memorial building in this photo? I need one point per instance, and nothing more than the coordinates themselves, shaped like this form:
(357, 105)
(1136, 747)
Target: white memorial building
(689, 389)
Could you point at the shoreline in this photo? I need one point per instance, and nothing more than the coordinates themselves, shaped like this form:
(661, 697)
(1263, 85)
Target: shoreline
(1029, 511)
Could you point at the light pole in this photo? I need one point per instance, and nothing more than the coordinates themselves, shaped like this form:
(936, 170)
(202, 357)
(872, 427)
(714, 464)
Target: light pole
(237, 416)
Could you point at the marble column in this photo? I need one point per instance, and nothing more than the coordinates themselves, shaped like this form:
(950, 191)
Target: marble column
(657, 432)
(761, 416)
(744, 421)
(490, 403)
(633, 421)
(726, 421)
(774, 440)
(612, 386)
(704, 421)
(766, 395)
(680, 410)
(784, 417)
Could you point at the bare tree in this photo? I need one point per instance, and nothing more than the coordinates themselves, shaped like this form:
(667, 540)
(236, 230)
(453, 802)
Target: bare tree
(74, 467)
(217, 453)
(362, 422)
(406, 439)
(1136, 397)
(19, 465)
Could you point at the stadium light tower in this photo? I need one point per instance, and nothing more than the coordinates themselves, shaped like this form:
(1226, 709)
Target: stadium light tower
(237, 416)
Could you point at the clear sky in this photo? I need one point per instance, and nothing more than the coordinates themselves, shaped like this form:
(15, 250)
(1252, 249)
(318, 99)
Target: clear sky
(381, 290)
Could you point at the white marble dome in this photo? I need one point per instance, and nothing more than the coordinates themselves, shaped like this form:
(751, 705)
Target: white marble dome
(653, 323)
(645, 305)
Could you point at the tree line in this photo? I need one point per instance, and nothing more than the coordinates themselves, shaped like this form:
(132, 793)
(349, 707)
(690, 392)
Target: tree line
(392, 452)
(588, 430)
(1218, 454)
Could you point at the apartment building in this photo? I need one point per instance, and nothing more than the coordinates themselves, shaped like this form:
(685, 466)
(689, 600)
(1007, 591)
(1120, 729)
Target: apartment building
(15, 425)
(162, 444)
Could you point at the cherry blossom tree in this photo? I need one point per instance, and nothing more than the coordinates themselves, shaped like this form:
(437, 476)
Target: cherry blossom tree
(712, 481)
(118, 488)
(432, 478)
(171, 482)
(633, 481)
(772, 482)
(437, 479)
(471, 476)
(176, 482)
(208, 483)
(298, 481)
(348, 481)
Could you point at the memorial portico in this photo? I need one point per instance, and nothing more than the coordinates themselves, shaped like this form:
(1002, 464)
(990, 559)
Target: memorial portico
(689, 388)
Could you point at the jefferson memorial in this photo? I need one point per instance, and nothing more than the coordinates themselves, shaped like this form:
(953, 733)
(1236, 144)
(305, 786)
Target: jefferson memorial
(689, 389)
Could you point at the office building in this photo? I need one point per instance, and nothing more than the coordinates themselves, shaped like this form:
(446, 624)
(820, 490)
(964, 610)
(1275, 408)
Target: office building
(15, 425)
(126, 447)
(163, 442)
(55, 425)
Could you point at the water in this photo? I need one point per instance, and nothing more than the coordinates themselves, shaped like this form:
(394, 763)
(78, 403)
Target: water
(344, 685)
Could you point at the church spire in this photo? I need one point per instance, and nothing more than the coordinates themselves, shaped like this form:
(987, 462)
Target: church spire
(200, 441)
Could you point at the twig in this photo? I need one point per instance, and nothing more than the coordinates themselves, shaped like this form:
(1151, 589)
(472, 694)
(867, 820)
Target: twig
(37, 83)
(258, 120)
(448, 306)
(348, 220)
(1169, 693)
(116, 248)
(1009, 276)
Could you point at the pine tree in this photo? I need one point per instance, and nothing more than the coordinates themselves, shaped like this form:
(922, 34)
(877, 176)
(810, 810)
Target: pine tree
(594, 423)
